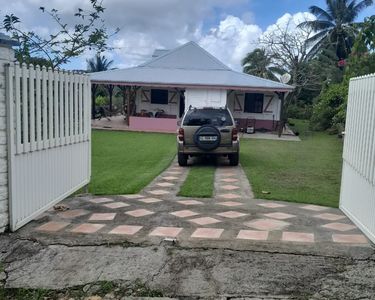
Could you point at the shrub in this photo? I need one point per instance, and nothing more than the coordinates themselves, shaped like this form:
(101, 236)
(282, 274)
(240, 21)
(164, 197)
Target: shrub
(330, 108)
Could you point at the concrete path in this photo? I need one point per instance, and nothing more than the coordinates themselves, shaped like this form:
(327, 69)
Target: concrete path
(231, 245)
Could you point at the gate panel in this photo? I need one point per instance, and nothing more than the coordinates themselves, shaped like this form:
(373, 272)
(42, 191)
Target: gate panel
(49, 138)
(357, 197)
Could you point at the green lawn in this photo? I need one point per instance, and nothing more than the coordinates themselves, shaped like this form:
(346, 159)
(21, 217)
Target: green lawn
(308, 171)
(125, 162)
(199, 182)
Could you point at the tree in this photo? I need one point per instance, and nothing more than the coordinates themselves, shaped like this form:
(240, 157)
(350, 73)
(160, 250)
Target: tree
(287, 46)
(68, 41)
(98, 64)
(259, 63)
(335, 25)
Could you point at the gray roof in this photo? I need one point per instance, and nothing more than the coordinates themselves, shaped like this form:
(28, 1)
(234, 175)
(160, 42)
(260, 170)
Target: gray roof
(187, 66)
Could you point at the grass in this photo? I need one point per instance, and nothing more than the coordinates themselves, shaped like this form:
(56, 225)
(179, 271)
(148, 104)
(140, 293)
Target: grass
(199, 182)
(308, 171)
(125, 162)
(100, 289)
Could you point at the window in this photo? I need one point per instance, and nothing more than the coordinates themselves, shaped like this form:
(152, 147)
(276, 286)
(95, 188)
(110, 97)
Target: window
(207, 116)
(159, 96)
(253, 103)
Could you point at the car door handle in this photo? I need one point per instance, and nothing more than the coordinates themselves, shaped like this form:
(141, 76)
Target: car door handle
(224, 130)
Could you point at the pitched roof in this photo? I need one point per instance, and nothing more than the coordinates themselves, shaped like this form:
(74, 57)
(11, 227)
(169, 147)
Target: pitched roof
(187, 66)
(188, 56)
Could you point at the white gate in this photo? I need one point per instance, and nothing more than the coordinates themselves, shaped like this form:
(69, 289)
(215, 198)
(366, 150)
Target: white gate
(49, 138)
(357, 198)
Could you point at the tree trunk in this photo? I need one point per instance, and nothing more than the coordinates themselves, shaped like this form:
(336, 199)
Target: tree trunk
(94, 88)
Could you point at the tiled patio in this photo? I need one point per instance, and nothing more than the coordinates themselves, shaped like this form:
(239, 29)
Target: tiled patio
(231, 218)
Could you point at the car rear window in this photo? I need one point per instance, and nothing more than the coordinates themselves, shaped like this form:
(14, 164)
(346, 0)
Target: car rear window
(216, 117)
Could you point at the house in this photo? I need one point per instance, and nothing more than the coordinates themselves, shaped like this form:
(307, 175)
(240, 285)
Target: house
(171, 81)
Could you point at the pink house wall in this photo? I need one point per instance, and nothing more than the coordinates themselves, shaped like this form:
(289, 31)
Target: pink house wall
(153, 124)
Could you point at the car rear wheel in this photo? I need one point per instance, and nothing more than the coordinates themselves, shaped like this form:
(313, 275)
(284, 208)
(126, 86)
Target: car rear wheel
(207, 138)
(234, 159)
(182, 159)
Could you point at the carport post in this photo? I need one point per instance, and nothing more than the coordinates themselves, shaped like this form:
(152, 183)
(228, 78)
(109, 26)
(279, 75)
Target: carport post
(6, 57)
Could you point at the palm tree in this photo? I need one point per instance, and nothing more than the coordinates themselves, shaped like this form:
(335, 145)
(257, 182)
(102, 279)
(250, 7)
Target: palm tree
(97, 64)
(335, 25)
(259, 63)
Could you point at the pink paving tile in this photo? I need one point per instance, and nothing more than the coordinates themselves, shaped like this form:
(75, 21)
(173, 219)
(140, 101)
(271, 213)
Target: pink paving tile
(205, 221)
(166, 231)
(184, 213)
(165, 184)
(229, 187)
(229, 196)
(279, 215)
(74, 213)
(207, 233)
(100, 200)
(230, 203)
(330, 217)
(87, 228)
(349, 238)
(231, 214)
(253, 235)
(229, 180)
(150, 200)
(267, 224)
(339, 226)
(227, 173)
(139, 213)
(314, 207)
(302, 237)
(170, 178)
(115, 205)
(190, 202)
(132, 196)
(52, 226)
(271, 205)
(126, 229)
(159, 192)
(102, 217)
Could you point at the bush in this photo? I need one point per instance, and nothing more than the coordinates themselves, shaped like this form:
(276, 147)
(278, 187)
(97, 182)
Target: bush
(300, 111)
(330, 108)
(100, 101)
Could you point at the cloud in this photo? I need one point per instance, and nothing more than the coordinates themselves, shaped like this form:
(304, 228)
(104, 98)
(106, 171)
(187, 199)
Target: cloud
(149, 24)
(231, 40)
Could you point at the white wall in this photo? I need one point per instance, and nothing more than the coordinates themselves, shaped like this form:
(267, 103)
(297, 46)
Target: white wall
(205, 98)
(273, 110)
(6, 56)
(143, 102)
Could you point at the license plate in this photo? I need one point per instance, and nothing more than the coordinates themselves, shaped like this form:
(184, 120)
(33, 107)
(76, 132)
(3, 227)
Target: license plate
(208, 138)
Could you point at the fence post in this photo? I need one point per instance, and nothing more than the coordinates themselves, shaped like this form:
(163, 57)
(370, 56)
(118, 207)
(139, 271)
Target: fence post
(6, 57)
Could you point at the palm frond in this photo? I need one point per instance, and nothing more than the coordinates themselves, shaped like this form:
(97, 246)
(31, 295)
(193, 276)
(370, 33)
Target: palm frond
(362, 5)
(320, 13)
(317, 25)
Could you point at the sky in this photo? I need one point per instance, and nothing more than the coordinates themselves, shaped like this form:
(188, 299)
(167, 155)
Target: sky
(228, 29)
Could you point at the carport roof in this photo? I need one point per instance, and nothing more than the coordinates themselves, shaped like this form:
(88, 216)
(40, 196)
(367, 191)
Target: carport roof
(187, 66)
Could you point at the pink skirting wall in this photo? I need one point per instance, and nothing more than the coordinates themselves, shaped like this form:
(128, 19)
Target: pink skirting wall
(153, 124)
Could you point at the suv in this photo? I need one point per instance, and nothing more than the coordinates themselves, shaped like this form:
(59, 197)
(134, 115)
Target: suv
(208, 131)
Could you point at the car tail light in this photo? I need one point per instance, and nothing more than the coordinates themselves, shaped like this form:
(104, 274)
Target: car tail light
(181, 134)
(234, 134)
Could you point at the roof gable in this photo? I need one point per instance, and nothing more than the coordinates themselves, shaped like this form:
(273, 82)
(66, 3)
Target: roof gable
(188, 56)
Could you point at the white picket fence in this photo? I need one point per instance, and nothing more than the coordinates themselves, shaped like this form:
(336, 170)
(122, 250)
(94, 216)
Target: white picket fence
(49, 138)
(357, 198)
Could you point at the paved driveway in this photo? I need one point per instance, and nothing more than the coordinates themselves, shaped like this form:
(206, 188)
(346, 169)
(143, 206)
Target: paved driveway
(232, 219)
